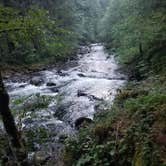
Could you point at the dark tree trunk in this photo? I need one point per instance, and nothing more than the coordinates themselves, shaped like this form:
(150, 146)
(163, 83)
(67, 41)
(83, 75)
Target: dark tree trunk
(141, 50)
(16, 143)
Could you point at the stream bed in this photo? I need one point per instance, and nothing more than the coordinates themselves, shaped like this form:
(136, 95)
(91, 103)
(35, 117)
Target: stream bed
(47, 104)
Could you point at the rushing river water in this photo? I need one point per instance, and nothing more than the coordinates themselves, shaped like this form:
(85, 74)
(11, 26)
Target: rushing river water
(93, 79)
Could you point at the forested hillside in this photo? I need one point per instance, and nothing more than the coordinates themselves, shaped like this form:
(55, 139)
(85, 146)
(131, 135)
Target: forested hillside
(45, 31)
(30, 33)
(136, 30)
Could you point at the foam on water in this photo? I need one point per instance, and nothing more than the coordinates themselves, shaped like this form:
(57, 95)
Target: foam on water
(95, 75)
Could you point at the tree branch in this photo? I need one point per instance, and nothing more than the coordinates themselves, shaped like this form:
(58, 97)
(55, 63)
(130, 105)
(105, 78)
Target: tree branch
(18, 29)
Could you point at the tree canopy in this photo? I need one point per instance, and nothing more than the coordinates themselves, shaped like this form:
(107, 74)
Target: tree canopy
(136, 28)
(31, 31)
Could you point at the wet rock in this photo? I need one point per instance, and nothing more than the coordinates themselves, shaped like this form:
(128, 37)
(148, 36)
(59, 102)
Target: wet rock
(37, 81)
(73, 58)
(92, 97)
(55, 89)
(108, 57)
(6, 77)
(84, 50)
(41, 157)
(22, 86)
(62, 74)
(82, 122)
(60, 111)
(81, 75)
(81, 93)
(51, 84)
(28, 121)
(121, 78)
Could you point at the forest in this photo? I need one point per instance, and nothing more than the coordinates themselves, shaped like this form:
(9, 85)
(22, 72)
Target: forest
(82, 83)
(31, 31)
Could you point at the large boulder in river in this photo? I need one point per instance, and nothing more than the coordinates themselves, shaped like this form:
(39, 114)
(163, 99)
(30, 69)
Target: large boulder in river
(82, 122)
(37, 81)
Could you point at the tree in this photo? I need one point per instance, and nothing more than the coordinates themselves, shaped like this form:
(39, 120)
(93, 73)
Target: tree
(16, 142)
(88, 13)
(137, 30)
(30, 33)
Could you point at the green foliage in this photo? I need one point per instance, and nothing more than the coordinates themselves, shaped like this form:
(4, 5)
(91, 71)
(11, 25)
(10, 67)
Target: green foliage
(138, 32)
(33, 36)
(38, 135)
(127, 134)
(30, 103)
(43, 32)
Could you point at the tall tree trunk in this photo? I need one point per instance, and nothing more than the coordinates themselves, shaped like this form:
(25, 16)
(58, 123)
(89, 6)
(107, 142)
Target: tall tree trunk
(141, 50)
(15, 141)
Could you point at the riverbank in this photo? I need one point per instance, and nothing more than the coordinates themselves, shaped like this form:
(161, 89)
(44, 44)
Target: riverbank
(10, 70)
(131, 132)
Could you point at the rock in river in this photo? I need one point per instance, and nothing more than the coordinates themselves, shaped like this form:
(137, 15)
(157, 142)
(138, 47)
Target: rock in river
(51, 84)
(81, 75)
(81, 93)
(82, 121)
(37, 81)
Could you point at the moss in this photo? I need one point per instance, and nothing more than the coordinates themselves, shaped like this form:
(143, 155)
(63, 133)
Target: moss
(39, 136)
(30, 103)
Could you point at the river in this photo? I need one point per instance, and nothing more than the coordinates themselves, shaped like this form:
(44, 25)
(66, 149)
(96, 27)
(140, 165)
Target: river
(76, 91)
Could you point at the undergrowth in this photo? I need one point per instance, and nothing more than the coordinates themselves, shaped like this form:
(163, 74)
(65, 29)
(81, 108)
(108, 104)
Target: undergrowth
(131, 133)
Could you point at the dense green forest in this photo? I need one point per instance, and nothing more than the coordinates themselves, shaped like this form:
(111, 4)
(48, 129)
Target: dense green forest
(136, 30)
(31, 31)
(129, 132)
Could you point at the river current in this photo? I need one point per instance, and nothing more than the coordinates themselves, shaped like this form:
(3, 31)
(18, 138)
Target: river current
(89, 81)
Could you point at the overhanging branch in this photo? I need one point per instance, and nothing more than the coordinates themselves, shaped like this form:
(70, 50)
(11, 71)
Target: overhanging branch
(19, 29)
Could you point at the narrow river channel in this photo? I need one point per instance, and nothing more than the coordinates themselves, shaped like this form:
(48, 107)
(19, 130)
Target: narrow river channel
(74, 92)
